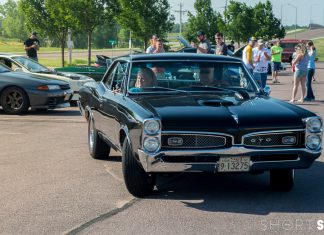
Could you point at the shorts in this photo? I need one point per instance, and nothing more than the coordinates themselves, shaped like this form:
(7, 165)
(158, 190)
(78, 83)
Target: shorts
(300, 73)
(276, 66)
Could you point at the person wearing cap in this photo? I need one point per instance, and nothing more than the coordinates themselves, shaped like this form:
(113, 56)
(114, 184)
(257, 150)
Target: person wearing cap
(276, 54)
(31, 46)
(261, 56)
(204, 46)
(247, 54)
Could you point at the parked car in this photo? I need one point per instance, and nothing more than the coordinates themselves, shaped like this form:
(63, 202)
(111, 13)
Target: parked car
(203, 113)
(20, 91)
(24, 64)
(96, 72)
(288, 46)
(187, 48)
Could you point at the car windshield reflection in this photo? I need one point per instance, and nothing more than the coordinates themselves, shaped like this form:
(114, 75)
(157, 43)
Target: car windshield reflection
(31, 65)
(189, 77)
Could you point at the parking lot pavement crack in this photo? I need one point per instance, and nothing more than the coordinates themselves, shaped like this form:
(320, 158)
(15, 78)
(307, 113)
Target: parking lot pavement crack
(102, 217)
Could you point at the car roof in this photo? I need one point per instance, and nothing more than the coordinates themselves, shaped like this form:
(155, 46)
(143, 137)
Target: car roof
(10, 55)
(180, 56)
(292, 40)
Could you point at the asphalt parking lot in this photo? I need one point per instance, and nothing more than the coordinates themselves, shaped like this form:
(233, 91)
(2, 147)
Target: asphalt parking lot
(50, 185)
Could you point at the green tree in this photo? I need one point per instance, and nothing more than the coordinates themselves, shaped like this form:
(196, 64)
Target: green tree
(91, 13)
(204, 20)
(239, 21)
(50, 17)
(146, 17)
(267, 25)
(13, 23)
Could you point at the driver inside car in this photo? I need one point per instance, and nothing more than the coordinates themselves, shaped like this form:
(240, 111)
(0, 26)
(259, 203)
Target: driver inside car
(145, 78)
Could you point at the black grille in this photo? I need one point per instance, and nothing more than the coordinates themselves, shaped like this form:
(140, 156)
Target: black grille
(271, 139)
(65, 87)
(186, 141)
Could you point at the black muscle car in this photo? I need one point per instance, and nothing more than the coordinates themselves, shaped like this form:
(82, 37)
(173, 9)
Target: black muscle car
(177, 112)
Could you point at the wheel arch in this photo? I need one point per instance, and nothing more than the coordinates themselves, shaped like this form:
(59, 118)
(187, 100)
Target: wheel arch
(10, 86)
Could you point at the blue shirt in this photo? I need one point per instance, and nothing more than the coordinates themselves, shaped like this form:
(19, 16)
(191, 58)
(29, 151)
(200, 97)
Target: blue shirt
(311, 62)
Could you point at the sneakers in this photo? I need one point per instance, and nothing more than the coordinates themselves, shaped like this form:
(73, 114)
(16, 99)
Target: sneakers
(309, 99)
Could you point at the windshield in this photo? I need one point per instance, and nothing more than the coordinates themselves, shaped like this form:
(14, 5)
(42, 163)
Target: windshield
(175, 76)
(30, 64)
(4, 68)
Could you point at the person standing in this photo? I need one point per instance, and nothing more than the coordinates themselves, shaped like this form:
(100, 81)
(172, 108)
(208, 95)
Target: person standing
(247, 54)
(299, 64)
(276, 54)
(231, 46)
(152, 47)
(310, 71)
(159, 46)
(221, 48)
(261, 56)
(204, 46)
(32, 46)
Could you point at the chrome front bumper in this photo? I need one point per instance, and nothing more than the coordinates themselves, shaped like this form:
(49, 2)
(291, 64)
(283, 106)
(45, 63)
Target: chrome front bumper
(154, 162)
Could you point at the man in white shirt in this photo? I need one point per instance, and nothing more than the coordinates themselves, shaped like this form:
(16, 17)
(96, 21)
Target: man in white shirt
(261, 56)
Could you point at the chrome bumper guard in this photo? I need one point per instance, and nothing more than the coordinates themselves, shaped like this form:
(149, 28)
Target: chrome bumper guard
(154, 162)
(81, 110)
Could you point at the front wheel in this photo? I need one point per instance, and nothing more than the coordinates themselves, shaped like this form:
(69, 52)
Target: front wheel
(14, 100)
(138, 182)
(98, 148)
(282, 180)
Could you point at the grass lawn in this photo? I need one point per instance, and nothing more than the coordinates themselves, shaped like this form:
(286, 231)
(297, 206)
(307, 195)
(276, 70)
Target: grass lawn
(319, 44)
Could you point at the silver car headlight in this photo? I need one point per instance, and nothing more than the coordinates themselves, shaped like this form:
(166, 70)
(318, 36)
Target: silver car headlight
(314, 124)
(313, 141)
(48, 87)
(151, 126)
(151, 144)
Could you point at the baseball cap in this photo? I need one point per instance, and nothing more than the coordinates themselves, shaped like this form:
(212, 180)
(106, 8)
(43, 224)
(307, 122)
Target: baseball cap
(252, 39)
(260, 42)
(34, 33)
(199, 33)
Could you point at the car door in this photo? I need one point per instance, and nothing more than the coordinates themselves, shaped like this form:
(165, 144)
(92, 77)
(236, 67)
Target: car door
(111, 100)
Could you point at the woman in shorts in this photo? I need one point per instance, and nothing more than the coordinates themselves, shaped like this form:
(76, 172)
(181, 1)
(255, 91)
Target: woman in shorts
(300, 66)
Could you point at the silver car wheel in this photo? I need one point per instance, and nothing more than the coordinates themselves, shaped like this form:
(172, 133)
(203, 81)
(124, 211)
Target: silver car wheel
(14, 100)
(91, 134)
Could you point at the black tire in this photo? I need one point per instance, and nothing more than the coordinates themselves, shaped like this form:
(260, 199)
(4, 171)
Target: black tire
(282, 180)
(14, 100)
(98, 148)
(138, 182)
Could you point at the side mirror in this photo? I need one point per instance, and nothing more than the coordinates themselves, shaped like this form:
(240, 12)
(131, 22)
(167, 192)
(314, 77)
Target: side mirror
(267, 90)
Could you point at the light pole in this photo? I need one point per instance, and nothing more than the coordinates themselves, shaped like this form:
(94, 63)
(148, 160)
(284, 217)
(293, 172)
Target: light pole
(295, 16)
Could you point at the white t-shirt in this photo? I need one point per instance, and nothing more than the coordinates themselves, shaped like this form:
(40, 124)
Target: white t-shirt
(262, 65)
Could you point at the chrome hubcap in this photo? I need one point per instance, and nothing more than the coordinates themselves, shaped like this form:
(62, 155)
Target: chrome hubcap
(91, 134)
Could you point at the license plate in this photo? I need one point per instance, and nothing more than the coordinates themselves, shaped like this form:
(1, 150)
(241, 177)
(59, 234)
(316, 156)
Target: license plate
(233, 164)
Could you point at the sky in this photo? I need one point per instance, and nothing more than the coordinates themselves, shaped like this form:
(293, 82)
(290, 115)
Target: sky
(304, 10)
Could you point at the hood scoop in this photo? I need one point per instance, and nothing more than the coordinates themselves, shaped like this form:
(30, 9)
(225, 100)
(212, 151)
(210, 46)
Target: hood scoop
(216, 103)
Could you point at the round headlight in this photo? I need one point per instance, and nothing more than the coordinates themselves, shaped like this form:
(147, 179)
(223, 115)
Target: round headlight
(314, 125)
(151, 144)
(313, 141)
(151, 127)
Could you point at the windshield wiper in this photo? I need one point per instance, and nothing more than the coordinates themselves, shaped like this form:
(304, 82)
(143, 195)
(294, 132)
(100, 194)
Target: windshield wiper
(157, 88)
(45, 71)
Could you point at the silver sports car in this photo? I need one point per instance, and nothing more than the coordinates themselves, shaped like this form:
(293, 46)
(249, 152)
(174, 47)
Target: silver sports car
(21, 91)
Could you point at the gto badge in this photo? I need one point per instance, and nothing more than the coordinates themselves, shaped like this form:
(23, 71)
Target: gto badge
(175, 141)
(261, 140)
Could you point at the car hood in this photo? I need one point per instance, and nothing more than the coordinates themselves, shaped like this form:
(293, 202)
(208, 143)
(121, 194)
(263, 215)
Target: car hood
(211, 114)
(183, 41)
(16, 76)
